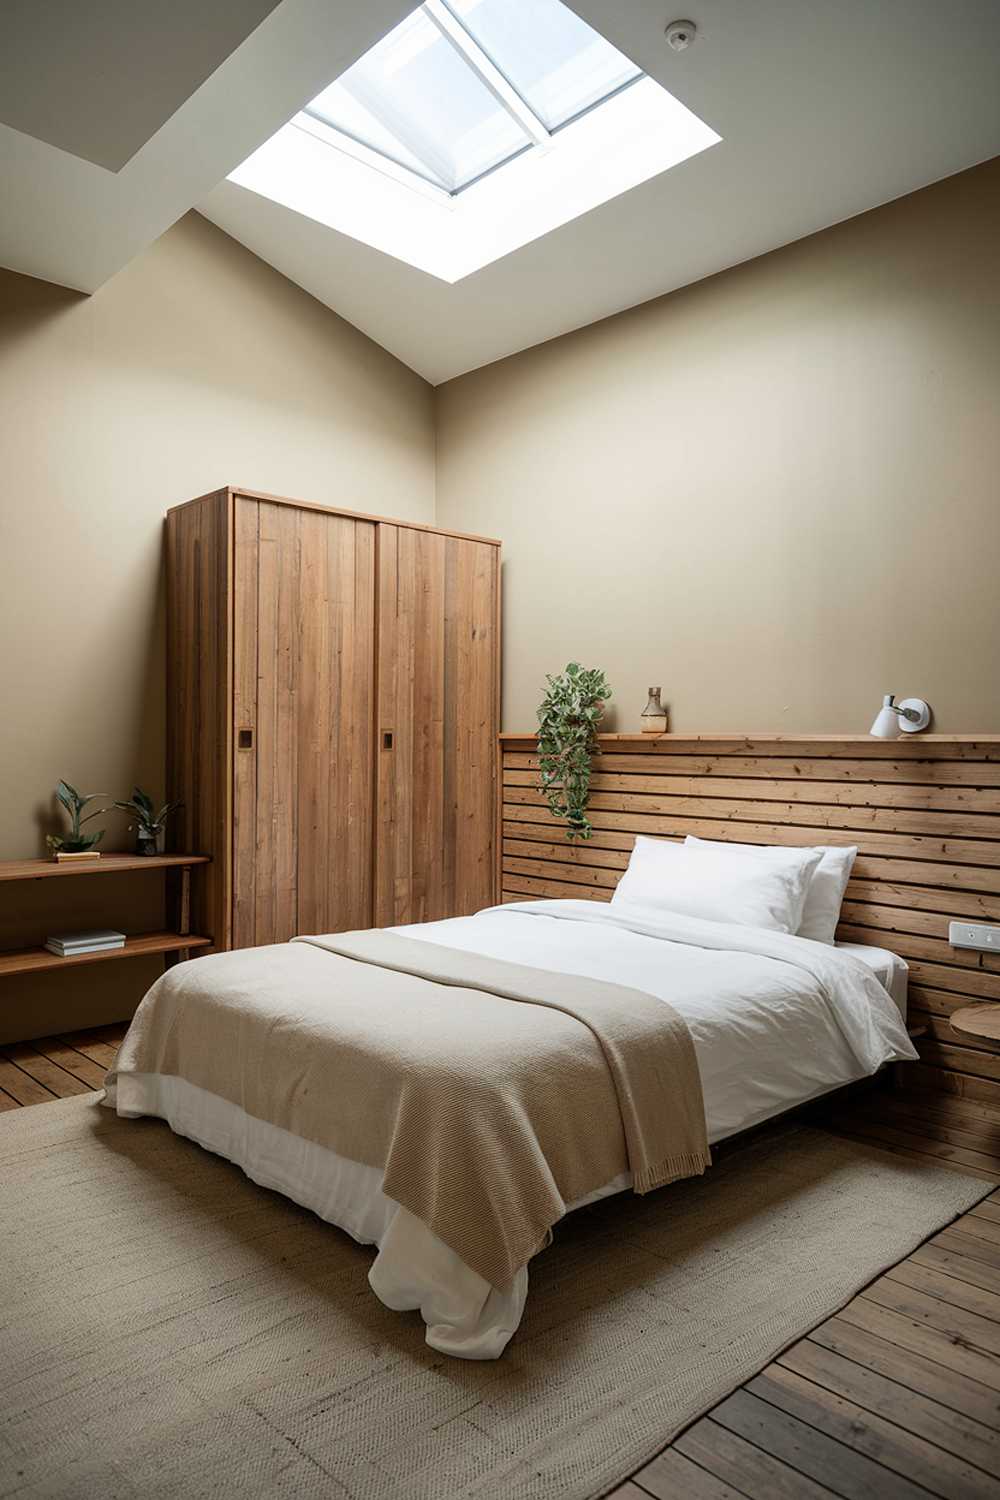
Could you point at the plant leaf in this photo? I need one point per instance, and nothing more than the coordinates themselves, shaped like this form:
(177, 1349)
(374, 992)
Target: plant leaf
(143, 800)
(96, 813)
(568, 719)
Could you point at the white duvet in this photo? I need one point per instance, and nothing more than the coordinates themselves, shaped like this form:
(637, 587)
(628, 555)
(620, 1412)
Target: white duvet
(776, 1020)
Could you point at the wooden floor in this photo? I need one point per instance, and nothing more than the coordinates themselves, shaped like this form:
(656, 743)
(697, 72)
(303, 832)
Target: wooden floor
(897, 1397)
(54, 1068)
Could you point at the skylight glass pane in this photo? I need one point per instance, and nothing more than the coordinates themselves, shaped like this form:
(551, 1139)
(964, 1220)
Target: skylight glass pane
(554, 60)
(414, 98)
(338, 106)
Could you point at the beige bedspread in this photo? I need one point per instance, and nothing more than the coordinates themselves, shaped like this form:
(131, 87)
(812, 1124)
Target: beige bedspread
(491, 1095)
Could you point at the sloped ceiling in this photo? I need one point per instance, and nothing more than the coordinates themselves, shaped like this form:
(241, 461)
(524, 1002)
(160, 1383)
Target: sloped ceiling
(69, 220)
(826, 110)
(62, 64)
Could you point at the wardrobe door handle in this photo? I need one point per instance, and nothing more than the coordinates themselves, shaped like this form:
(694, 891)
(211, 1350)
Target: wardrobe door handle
(387, 739)
(244, 739)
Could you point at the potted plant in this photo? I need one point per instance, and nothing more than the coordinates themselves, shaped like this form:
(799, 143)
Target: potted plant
(568, 720)
(77, 842)
(150, 826)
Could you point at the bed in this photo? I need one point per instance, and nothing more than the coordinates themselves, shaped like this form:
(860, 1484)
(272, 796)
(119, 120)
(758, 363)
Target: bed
(253, 1053)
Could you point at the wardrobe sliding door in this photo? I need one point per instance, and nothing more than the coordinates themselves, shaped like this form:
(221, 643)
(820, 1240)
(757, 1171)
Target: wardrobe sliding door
(438, 652)
(304, 655)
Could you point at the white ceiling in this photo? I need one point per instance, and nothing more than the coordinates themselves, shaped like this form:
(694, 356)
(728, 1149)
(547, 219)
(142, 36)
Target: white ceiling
(825, 109)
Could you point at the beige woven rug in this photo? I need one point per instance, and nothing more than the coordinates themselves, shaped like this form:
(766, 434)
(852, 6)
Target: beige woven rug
(168, 1329)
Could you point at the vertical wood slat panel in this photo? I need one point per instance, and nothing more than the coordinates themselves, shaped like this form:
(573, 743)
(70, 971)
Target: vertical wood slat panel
(438, 697)
(245, 613)
(410, 837)
(355, 790)
(475, 710)
(315, 675)
(391, 845)
(279, 584)
(335, 708)
(925, 814)
(199, 687)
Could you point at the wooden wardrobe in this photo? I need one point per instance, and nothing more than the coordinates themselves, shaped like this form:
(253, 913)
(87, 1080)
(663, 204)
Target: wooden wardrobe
(333, 704)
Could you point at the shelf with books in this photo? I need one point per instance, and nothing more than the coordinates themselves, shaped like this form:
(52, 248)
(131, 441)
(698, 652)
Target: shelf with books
(31, 960)
(179, 941)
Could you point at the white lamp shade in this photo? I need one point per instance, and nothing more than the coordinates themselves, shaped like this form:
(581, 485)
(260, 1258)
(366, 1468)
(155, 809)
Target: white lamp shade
(886, 725)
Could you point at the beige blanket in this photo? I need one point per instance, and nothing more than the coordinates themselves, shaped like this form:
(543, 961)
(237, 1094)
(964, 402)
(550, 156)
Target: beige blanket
(489, 1094)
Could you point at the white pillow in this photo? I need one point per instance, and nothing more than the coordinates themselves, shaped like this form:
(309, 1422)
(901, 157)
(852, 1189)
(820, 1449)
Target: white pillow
(703, 881)
(825, 894)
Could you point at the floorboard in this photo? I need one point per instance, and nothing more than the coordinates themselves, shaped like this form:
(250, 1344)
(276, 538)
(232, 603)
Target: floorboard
(896, 1397)
(56, 1067)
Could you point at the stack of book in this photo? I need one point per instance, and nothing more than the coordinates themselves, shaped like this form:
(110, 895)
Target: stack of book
(71, 944)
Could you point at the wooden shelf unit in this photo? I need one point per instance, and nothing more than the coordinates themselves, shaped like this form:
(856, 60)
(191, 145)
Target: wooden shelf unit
(33, 960)
(108, 864)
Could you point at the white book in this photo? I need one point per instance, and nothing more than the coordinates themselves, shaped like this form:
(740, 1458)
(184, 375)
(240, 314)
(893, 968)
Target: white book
(72, 939)
(86, 948)
(83, 942)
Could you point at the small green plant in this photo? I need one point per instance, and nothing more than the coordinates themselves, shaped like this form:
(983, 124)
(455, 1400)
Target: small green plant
(77, 841)
(568, 720)
(148, 824)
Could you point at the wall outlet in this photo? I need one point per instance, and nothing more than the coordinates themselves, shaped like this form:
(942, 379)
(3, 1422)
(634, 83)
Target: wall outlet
(974, 935)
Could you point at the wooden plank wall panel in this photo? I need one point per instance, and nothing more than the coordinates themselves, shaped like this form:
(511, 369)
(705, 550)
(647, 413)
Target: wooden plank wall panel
(312, 784)
(199, 667)
(277, 738)
(438, 700)
(245, 582)
(473, 711)
(408, 729)
(925, 815)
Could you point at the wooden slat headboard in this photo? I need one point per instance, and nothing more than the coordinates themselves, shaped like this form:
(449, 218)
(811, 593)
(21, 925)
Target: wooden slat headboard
(925, 814)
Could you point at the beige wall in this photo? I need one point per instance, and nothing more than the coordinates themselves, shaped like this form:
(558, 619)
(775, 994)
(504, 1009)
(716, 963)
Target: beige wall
(196, 366)
(776, 492)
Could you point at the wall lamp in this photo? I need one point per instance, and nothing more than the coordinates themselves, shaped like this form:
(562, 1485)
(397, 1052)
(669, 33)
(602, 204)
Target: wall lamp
(909, 716)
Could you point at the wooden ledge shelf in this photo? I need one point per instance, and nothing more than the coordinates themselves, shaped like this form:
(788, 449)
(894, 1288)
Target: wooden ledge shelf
(882, 747)
(973, 747)
(108, 864)
(32, 960)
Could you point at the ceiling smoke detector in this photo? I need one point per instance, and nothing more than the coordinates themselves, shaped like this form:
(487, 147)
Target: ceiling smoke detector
(680, 35)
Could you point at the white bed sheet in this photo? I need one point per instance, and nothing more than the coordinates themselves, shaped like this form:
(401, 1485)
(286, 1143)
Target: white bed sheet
(892, 972)
(761, 1048)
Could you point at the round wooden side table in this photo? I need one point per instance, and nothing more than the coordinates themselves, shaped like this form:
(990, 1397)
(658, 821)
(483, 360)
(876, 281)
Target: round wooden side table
(978, 1020)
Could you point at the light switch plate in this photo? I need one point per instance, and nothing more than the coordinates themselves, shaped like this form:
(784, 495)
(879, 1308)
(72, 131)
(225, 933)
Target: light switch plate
(978, 935)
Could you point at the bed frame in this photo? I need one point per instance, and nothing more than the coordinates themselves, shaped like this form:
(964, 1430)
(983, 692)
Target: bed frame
(925, 814)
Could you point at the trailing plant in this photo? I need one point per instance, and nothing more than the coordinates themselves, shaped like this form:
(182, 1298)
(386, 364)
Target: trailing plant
(568, 720)
(148, 824)
(77, 842)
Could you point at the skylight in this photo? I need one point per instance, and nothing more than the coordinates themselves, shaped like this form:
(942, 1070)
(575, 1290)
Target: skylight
(472, 128)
